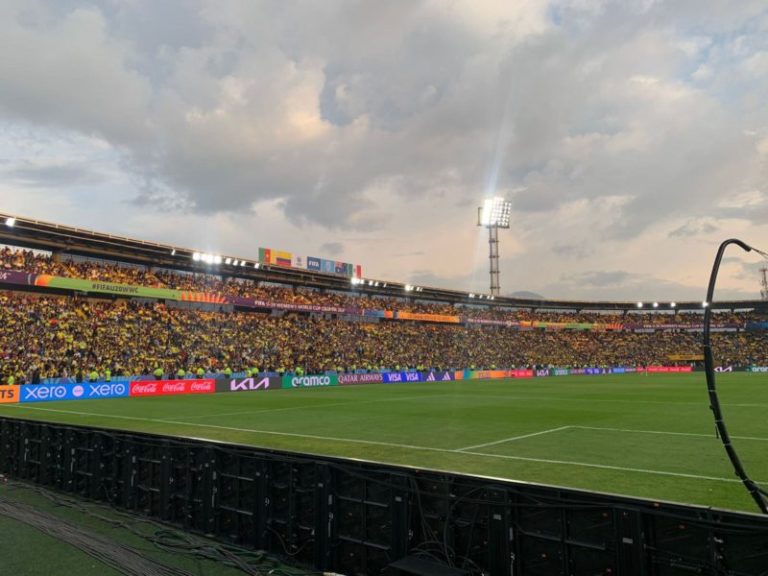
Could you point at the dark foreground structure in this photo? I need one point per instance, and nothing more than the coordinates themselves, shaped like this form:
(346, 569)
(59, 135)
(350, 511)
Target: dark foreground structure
(360, 518)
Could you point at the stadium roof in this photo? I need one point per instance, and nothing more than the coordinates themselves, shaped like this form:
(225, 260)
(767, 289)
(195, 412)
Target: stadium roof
(53, 237)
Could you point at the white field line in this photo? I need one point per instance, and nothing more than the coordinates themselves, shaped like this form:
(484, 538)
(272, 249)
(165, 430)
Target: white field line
(554, 398)
(393, 445)
(756, 438)
(513, 438)
(309, 407)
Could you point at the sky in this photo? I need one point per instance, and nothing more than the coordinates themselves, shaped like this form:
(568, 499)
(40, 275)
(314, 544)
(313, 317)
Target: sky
(630, 136)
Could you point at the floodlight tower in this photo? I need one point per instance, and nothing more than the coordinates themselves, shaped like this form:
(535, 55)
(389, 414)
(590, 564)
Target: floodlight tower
(495, 213)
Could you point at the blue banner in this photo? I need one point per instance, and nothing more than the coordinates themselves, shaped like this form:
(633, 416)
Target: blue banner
(390, 377)
(432, 376)
(313, 263)
(84, 391)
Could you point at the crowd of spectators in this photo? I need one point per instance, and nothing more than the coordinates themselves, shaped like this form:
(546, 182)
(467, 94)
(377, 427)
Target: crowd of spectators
(70, 336)
(42, 263)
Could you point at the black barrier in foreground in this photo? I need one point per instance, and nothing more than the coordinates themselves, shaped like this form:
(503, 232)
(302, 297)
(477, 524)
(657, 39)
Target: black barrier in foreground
(359, 518)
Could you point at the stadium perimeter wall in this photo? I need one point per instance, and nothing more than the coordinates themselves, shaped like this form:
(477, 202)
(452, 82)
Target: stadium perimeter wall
(359, 518)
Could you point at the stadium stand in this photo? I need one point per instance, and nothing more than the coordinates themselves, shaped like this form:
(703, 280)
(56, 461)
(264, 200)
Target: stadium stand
(73, 337)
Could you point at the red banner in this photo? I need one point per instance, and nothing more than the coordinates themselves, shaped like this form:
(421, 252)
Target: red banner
(520, 374)
(166, 387)
(659, 369)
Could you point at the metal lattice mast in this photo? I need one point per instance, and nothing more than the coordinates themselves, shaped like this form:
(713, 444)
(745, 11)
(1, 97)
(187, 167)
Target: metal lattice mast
(764, 284)
(495, 213)
(493, 251)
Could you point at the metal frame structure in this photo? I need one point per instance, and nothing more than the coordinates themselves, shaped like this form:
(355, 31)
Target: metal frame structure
(356, 517)
(494, 214)
(57, 238)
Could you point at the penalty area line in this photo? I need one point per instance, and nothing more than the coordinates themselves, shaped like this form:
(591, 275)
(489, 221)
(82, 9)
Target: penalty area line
(666, 433)
(512, 439)
(387, 445)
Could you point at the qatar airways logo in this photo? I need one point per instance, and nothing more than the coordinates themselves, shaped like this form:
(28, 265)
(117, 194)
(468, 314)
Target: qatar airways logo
(299, 381)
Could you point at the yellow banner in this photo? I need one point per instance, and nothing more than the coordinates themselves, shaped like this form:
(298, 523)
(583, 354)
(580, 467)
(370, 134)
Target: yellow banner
(427, 317)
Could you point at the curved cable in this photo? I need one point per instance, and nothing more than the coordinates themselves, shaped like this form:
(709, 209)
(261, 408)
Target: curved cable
(757, 493)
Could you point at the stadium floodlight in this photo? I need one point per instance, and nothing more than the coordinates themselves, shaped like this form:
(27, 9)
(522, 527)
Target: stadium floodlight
(655, 304)
(197, 256)
(495, 213)
(471, 295)
(672, 304)
(228, 261)
(409, 288)
(10, 222)
(704, 304)
(173, 252)
(256, 265)
(639, 304)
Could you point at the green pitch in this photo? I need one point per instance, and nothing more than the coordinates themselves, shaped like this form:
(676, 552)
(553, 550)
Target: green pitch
(649, 436)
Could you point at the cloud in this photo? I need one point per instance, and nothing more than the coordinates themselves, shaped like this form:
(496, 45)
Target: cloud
(332, 248)
(694, 228)
(53, 175)
(611, 125)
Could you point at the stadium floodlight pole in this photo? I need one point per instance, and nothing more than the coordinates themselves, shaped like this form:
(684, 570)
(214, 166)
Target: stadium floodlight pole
(758, 494)
(495, 213)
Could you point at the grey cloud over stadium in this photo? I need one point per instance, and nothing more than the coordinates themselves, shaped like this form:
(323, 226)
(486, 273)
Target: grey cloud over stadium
(630, 135)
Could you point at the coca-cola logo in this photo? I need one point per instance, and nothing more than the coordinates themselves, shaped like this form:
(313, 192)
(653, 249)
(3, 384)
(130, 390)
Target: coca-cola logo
(144, 388)
(175, 387)
(200, 387)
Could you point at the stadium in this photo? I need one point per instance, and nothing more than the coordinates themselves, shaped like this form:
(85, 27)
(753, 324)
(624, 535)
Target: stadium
(364, 426)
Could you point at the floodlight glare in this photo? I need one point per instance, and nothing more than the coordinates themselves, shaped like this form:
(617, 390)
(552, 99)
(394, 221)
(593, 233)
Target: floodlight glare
(704, 304)
(495, 212)
(10, 222)
(173, 252)
(228, 261)
(639, 304)
(655, 304)
(672, 304)
(197, 256)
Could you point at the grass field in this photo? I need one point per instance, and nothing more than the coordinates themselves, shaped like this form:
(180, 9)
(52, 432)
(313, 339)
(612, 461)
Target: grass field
(649, 436)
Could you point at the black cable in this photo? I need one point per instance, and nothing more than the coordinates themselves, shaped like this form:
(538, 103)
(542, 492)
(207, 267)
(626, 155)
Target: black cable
(757, 493)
